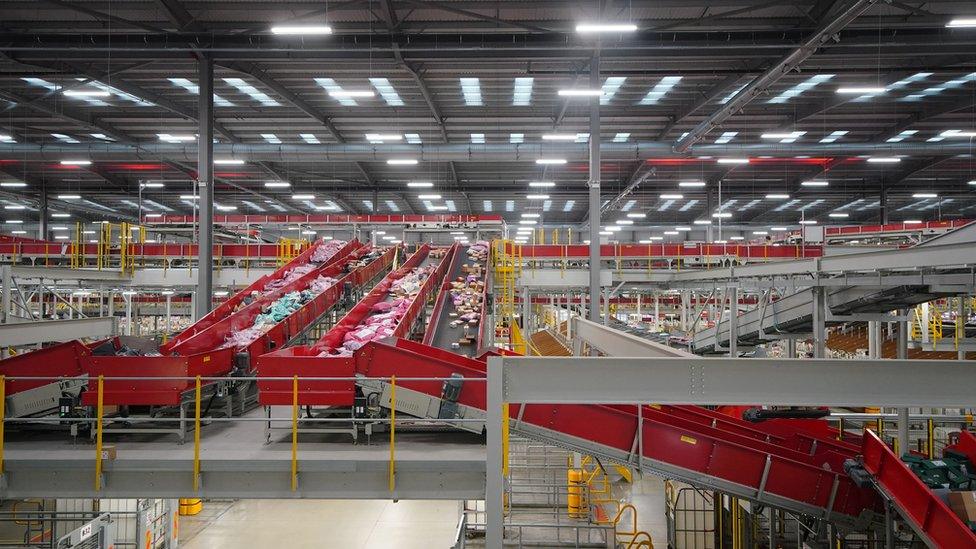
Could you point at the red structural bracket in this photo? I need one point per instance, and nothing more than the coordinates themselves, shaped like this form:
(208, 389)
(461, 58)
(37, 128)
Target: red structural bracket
(929, 515)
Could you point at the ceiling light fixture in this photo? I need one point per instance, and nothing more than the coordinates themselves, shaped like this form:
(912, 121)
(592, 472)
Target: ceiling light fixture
(884, 159)
(86, 93)
(228, 162)
(537, 196)
(961, 23)
(859, 90)
(303, 197)
(580, 92)
(816, 183)
(76, 162)
(301, 30)
(429, 196)
(542, 184)
(672, 196)
(776, 196)
(636, 215)
(925, 195)
(402, 162)
(733, 160)
(277, 184)
(691, 184)
(550, 160)
(591, 28)
(420, 184)
(69, 197)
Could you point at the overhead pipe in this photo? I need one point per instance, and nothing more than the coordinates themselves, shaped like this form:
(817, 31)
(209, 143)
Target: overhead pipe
(457, 152)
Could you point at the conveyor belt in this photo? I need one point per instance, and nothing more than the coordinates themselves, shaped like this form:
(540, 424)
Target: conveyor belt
(443, 335)
(793, 313)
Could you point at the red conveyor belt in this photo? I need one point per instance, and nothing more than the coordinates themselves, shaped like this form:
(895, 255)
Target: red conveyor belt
(686, 441)
(930, 517)
(304, 361)
(226, 308)
(203, 354)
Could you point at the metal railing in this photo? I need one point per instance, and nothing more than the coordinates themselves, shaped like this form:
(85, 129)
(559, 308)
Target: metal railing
(97, 422)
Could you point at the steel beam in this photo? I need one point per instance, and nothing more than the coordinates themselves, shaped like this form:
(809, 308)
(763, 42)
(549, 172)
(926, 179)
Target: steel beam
(14, 334)
(206, 185)
(713, 381)
(762, 83)
(612, 342)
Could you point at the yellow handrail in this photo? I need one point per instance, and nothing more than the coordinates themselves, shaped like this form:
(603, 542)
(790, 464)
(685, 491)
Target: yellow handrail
(99, 410)
(392, 479)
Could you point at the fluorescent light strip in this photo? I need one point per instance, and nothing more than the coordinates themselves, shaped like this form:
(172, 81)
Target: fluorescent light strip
(568, 206)
(591, 28)
(895, 86)
(64, 138)
(331, 87)
(309, 138)
(901, 136)
(729, 97)
(621, 138)
(271, 138)
(301, 30)
(413, 138)
(516, 138)
(478, 139)
(392, 206)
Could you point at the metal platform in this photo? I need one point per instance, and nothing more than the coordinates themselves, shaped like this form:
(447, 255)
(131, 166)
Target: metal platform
(236, 463)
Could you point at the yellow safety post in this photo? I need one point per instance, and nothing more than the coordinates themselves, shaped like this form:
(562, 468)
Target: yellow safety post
(196, 436)
(929, 428)
(392, 479)
(99, 410)
(294, 434)
(3, 415)
(840, 429)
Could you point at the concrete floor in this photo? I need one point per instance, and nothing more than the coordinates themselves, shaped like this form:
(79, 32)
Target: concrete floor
(346, 524)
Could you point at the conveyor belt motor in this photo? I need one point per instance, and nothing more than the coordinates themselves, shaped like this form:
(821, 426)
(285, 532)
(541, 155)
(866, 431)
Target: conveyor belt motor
(450, 391)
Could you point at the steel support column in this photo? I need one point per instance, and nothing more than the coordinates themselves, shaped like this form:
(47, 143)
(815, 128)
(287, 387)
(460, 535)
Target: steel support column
(594, 183)
(205, 182)
(903, 447)
(961, 320)
(42, 215)
(733, 294)
(819, 325)
(902, 344)
(494, 483)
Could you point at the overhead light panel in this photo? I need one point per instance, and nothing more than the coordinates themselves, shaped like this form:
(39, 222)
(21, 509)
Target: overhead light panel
(471, 91)
(195, 90)
(277, 184)
(242, 86)
(152, 185)
(522, 92)
(537, 196)
(189, 197)
(834, 136)
(347, 94)
(815, 183)
(884, 159)
(733, 161)
(691, 184)
(592, 28)
(702, 222)
(420, 184)
(86, 93)
(527, 222)
(862, 90)
(925, 195)
(798, 89)
(839, 215)
(777, 196)
(381, 137)
(580, 92)
(542, 184)
(402, 161)
(13, 184)
(672, 196)
(621, 137)
(550, 161)
(968, 22)
(303, 197)
(686, 229)
(387, 91)
(429, 197)
(301, 30)
(69, 197)
(726, 137)
(636, 215)
(530, 215)
(228, 162)
(309, 138)
(76, 162)
(561, 136)
(660, 90)
(722, 215)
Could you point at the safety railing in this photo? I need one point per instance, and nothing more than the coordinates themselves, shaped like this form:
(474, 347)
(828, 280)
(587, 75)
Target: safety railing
(928, 431)
(97, 422)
